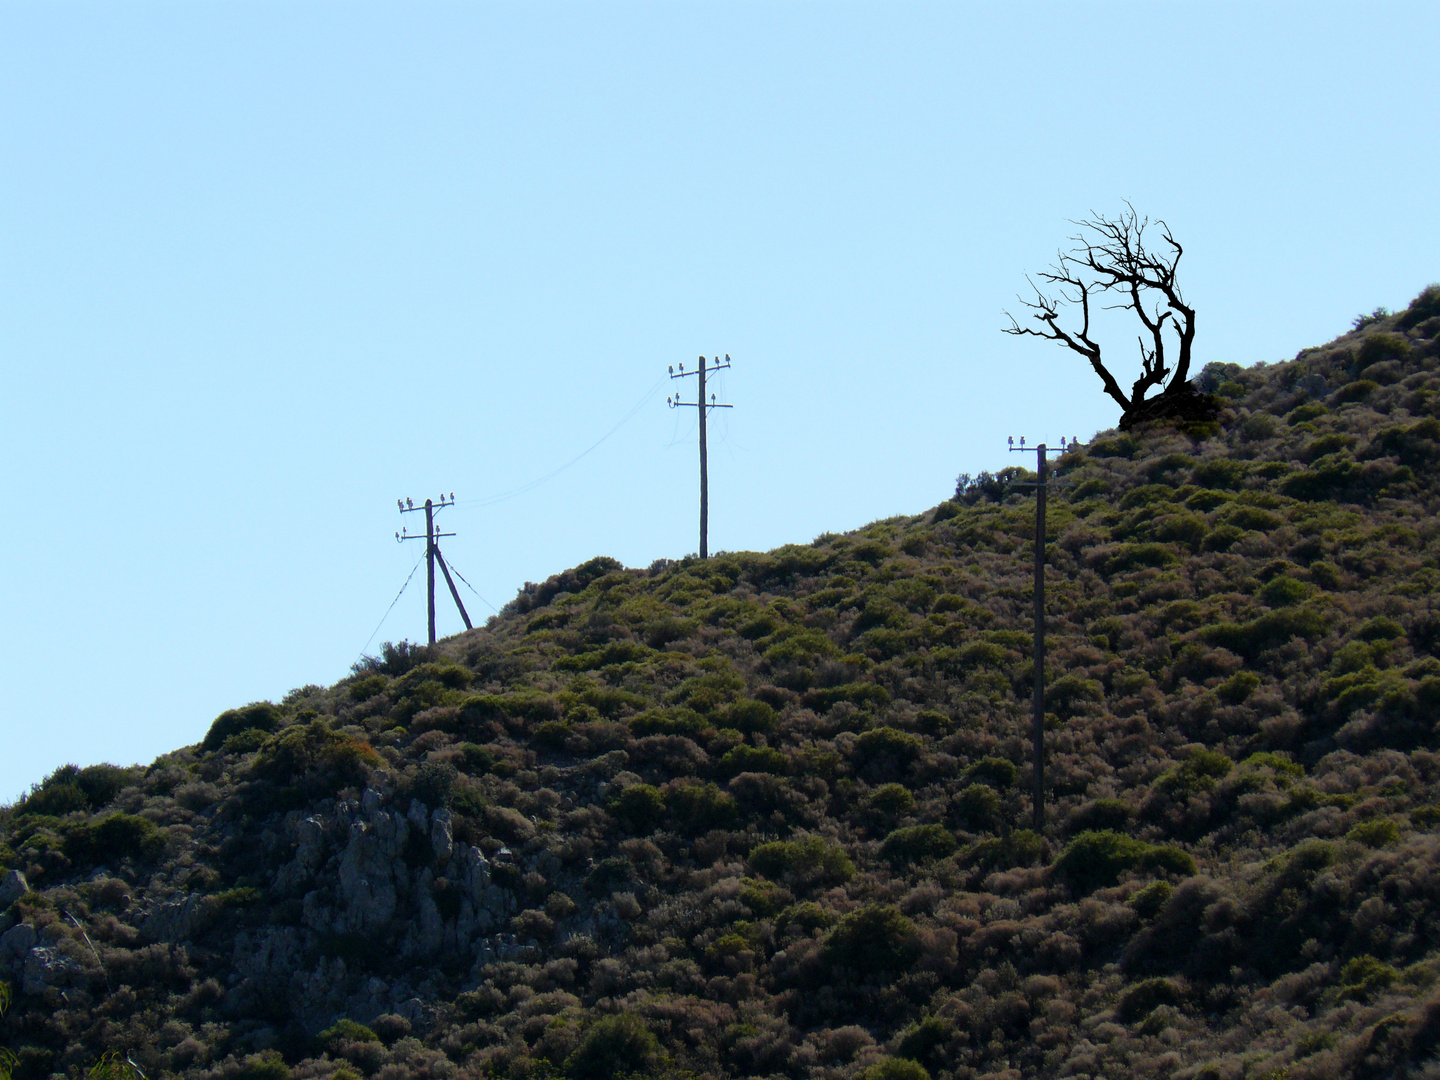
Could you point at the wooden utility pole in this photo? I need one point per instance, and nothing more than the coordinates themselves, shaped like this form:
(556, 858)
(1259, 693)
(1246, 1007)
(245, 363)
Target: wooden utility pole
(704, 406)
(1037, 731)
(432, 555)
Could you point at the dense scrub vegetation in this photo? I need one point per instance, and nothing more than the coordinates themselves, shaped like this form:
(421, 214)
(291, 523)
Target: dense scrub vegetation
(766, 814)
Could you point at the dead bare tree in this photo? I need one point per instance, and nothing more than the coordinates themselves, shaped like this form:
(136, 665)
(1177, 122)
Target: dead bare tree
(1109, 260)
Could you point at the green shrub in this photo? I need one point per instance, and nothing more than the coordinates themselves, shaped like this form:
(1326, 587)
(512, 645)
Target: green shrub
(996, 772)
(551, 735)
(56, 796)
(888, 746)
(1019, 848)
(944, 512)
(857, 693)
(806, 918)
(802, 863)
(1375, 833)
(1143, 998)
(1149, 900)
(1377, 347)
(872, 551)
(474, 760)
(1147, 495)
(266, 1065)
(681, 721)
(614, 1046)
(800, 645)
(1065, 695)
(891, 799)
(1266, 631)
(920, 1042)
(1127, 557)
(114, 836)
(873, 939)
(764, 897)
(433, 784)
(367, 686)
(1198, 772)
(895, 1068)
(101, 783)
(1379, 628)
(1425, 306)
(978, 807)
(70, 788)
(1097, 859)
(1283, 591)
(639, 807)
(315, 746)
(1279, 763)
(757, 759)
(1238, 687)
(1102, 814)
(1363, 976)
(349, 1030)
(698, 808)
(751, 717)
(917, 843)
(258, 716)
(1416, 445)
(1222, 537)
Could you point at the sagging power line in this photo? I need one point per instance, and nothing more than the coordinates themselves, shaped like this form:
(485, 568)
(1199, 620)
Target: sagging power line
(432, 555)
(1041, 485)
(704, 408)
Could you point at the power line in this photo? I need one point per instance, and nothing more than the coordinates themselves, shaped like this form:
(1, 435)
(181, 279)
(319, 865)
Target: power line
(491, 500)
(703, 407)
(389, 609)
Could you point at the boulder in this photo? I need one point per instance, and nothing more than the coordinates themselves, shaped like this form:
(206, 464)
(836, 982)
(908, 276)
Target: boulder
(12, 886)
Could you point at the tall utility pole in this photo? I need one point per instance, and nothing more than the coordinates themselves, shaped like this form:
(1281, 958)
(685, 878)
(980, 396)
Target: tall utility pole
(1038, 699)
(704, 407)
(432, 554)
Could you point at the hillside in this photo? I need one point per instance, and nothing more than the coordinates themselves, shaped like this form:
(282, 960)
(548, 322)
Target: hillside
(765, 814)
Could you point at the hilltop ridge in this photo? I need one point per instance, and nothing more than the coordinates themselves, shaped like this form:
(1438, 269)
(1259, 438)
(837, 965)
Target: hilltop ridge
(764, 815)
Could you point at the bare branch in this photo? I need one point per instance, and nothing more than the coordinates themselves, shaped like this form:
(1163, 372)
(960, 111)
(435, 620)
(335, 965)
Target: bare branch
(1109, 256)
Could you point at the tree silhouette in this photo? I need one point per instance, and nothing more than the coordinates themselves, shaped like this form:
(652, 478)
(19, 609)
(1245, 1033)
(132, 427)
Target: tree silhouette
(1110, 260)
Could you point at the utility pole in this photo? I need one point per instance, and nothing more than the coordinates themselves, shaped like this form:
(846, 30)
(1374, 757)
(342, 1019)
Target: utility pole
(1041, 484)
(432, 554)
(704, 407)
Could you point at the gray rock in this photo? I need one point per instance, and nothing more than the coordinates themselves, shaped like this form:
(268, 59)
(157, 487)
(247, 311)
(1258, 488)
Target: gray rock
(46, 967)
(266, 954)
(426, 934)
(12, 886)
(15, 943)
(441, 838)
(367, 889)
(310, 850)
(175, 921)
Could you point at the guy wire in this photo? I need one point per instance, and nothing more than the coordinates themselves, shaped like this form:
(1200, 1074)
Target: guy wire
(391, 608)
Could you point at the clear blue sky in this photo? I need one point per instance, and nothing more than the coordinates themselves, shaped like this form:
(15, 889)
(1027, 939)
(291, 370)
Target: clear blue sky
(266, 267)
